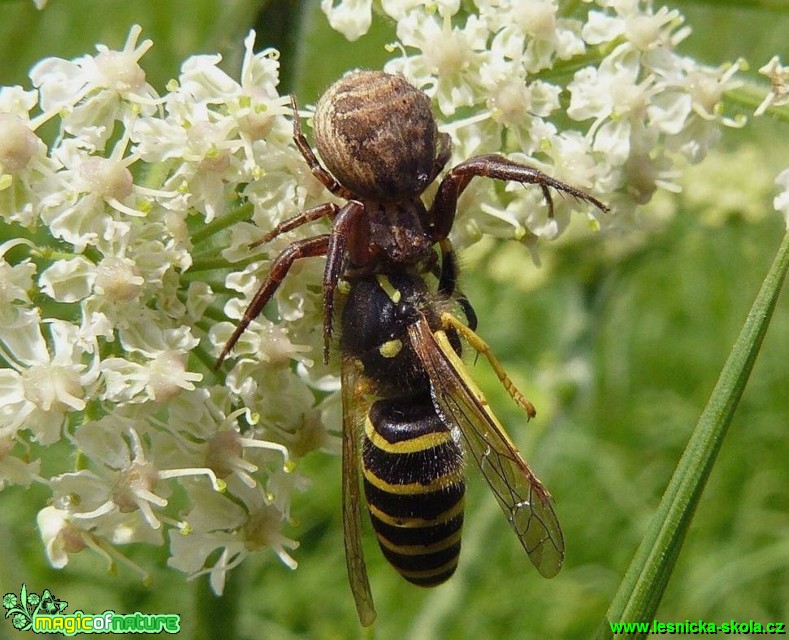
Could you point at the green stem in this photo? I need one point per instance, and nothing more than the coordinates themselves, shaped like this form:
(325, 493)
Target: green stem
(208, 361)
(207, 264)
(646, 579)
(749, 96)
(567, 68)
(759, 5)
(204, 263)
(218, 616)
(238, 214)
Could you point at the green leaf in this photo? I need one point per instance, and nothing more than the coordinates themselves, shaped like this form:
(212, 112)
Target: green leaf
(646, 579)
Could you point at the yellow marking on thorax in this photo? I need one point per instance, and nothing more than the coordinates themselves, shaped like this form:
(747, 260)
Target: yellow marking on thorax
(390, 348)
(386, 284)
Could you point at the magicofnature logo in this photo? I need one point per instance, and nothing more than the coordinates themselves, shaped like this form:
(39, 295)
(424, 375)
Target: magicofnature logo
(45, 613)
(24, 608)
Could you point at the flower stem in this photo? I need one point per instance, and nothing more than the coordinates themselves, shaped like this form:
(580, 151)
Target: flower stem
(216, 617)
(749, 96)
(646, 579)
(241, 212)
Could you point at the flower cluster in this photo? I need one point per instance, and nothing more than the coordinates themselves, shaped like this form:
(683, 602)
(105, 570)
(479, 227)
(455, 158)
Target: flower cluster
(121, 240)
(109, 272)
(601, 100)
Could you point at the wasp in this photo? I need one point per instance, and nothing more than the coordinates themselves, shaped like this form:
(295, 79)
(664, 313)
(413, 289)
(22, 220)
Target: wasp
(420, 414)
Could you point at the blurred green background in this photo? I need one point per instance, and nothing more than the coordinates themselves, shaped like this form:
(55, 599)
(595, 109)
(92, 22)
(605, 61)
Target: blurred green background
(623, 336)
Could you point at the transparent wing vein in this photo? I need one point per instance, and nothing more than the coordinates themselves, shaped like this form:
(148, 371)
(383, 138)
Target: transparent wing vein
(525, 501)
(352, 415)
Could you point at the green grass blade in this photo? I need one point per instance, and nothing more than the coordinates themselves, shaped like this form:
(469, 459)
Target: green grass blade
(645, 581)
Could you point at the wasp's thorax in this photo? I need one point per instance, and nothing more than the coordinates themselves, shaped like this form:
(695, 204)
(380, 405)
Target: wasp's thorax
(375, 322)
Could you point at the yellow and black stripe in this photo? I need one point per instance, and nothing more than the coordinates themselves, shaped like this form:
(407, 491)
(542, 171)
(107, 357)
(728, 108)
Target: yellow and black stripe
(413, 480)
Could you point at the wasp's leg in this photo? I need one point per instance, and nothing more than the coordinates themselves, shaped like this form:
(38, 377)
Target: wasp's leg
(447, 281)
(448, 277)
(308, 248)
(480, 346)
(500, 168)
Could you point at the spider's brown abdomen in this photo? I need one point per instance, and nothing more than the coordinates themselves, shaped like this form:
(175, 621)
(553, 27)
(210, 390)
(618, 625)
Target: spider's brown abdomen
(377, 135)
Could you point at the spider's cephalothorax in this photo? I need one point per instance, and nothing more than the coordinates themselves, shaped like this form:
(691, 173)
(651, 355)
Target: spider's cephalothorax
(378, 138)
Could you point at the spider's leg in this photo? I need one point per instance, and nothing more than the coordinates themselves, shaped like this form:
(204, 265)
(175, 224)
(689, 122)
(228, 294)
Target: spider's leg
(349, 239)
(307, 248)
(442, 213)
(326, 178)
(325, 210)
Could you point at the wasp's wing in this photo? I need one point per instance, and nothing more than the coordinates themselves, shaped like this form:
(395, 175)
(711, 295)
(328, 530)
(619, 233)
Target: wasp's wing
(525, 501)
(351, 499)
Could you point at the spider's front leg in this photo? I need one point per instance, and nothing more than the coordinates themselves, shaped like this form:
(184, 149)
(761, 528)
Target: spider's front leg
(442, 213)
(325, 178)
(308, 248)
(349, 239)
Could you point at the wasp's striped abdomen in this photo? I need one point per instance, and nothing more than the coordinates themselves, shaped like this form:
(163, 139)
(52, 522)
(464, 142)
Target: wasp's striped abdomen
(413, 480)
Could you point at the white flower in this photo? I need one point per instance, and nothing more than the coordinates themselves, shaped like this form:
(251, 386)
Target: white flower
(18, 143)
(264, 341)
(115, 254)
(352, 18)
(15, 281)
(397, 9)
(14, 470)
(216, 128)
(641, 28)
(614, 96)
(118, 278)
(531, 33)
(40, 386)
(125, 482)
(217, 523)
(448, 67)
(68, 280)
(85, 212)
(60, 537)
(27, 173)
(779, 81)
(160, 379)
(94, 91)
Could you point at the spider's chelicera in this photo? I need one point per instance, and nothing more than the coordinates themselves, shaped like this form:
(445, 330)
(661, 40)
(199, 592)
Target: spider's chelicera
(378, 138)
